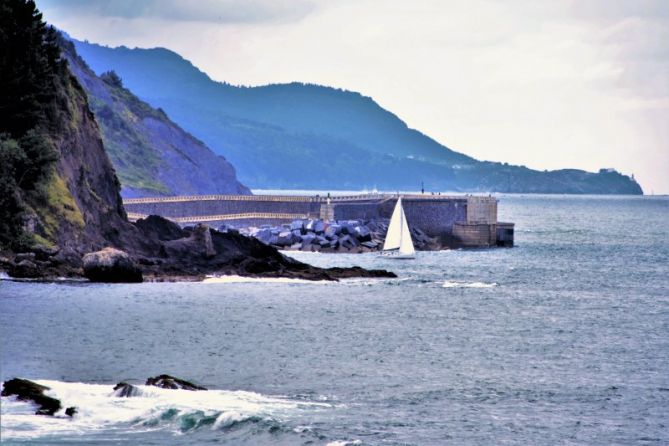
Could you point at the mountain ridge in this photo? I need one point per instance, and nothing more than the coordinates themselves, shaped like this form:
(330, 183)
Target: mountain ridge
(309, 136)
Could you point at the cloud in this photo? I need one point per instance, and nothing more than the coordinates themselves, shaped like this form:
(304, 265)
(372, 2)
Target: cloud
(211, 11)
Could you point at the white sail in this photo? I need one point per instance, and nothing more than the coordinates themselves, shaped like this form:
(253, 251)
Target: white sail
(406, 245)
(394, 234)
(398, 236)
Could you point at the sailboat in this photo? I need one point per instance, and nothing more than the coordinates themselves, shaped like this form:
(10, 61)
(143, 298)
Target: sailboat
(398, 244)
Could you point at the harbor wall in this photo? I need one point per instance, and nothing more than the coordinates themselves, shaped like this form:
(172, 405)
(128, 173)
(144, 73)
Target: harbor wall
(456, 221)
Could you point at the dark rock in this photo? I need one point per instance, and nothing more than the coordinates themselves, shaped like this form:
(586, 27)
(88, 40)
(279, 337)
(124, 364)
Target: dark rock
(297, 225)
(18, 258)
(363, 234)
(356, 271)
(285, 238)
(25, 269)
(307, 240)
(198, 243)
(111, 265)
(370, 244)
(332, 230)
(68, 256)
(264, 235)
(44, 253)
(71, 411)
(123, 389)
(348, 242)
(26, 390)
(160, 228)
(170, 382)
(319, 226)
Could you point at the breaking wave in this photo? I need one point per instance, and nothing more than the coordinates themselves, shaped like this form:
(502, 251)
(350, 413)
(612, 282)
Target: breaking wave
(178, 411)
(243, 279)
(454, 284)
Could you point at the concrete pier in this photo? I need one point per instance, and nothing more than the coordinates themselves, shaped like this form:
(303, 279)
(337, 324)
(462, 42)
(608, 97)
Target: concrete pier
(457, 221)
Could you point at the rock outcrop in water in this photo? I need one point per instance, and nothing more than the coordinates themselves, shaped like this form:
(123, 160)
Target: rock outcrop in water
(170, 382)
(26, 390)
(125, 390)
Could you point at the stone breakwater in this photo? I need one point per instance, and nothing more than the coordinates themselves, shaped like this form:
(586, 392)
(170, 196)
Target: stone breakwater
(453, 221)
(347, 236)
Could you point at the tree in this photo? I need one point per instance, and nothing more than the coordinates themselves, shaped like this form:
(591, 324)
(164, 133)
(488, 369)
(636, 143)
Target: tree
(31, 90)
(111, 78)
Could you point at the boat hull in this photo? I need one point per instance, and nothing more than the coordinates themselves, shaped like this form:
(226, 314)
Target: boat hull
(396, 255)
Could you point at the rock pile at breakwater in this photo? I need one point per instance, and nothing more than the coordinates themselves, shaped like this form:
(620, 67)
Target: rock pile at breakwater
(347, 236)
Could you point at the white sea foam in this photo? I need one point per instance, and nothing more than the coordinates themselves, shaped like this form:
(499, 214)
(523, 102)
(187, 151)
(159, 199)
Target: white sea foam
(154, 408)
(242, 279)
(344, 443)
(454, 284)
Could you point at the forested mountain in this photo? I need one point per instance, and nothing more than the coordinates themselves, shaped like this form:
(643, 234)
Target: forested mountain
(309, 136)
(151, 154)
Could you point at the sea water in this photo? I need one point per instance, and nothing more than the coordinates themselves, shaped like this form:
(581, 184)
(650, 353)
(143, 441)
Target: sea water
(563, 339)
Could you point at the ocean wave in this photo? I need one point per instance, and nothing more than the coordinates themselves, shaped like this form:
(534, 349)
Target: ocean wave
(454, 284)
(243, 279)
(344, 443)
(178, 411)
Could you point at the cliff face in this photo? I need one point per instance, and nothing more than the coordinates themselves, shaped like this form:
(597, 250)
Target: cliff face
(84, 210)
(152, 155)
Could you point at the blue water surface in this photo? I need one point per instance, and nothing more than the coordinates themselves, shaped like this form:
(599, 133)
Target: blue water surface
(563, 339)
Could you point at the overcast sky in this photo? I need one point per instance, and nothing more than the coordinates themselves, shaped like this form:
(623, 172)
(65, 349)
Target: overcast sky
(548, 84)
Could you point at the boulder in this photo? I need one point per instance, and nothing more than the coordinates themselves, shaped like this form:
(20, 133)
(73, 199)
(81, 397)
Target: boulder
(319, 226)
(111, 265)
(363, 234)
(68, 256)
(20, 257)
(347, 242)
(160, 228)
(25, 269)
(198, 243)
(264, 235)
(125, 390)
(333, 229)
(44, 253)
(26, 390)
(297, 225)
(170, 382)
(285, 238)
(307, 240)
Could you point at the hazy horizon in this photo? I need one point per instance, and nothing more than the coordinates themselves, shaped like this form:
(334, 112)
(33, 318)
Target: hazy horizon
(549, 86)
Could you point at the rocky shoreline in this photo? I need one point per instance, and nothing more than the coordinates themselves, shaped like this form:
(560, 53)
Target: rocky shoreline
(343, 236)
(165, 252)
